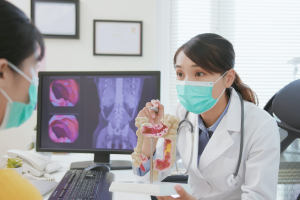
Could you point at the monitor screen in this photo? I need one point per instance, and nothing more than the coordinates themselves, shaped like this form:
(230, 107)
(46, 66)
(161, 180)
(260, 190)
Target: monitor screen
(92, 111)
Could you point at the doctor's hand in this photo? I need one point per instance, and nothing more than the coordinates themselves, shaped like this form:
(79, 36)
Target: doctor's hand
(154, 118)
(182, 193)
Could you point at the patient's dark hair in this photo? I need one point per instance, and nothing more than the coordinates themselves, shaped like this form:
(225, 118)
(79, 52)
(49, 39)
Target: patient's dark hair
(215, 54)
(19, 38)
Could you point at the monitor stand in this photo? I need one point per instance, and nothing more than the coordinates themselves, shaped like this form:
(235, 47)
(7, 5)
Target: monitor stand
(104, 159)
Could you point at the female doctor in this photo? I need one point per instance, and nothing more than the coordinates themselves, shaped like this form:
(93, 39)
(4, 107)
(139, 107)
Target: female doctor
(19, 41)
(208, 87)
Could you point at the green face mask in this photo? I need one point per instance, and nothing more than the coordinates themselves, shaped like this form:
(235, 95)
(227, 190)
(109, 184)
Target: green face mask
(17, 113)
(196, 96)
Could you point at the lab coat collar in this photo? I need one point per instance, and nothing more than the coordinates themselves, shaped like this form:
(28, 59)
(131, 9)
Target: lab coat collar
(221, 139)
(234, 113)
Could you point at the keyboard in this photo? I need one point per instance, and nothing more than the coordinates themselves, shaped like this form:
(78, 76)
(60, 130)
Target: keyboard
(84, 185)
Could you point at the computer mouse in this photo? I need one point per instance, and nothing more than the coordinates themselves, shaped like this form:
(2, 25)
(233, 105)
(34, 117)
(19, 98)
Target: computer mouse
(98, 166)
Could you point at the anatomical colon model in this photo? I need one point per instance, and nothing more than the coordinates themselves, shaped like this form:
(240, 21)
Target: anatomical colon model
(119, 100)
(167, 130)
(63, 128)
(64, 93)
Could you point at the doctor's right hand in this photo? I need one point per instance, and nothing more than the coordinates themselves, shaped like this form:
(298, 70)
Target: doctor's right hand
(182, 193)
(154, 118)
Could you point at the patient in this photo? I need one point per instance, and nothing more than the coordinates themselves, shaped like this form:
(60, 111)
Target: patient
(19, 44)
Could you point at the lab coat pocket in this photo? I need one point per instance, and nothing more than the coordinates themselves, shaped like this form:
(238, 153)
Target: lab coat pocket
(223, 167)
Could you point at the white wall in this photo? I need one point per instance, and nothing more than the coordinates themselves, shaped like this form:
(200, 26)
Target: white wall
(77, 55)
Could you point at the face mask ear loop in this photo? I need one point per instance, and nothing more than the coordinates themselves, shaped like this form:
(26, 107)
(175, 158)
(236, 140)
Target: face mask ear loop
(221, 94)
(19, 71)
(224, 88)
(220, 77)
(6, 96)
(35, 79)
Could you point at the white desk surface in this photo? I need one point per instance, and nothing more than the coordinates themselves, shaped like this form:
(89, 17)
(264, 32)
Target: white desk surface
(120, 175)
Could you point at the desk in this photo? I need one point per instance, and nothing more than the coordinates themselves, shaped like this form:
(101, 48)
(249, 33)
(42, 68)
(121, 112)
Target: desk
(120, 175)
(127, 175)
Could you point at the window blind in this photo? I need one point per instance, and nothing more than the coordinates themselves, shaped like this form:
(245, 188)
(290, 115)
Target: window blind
(265, 35)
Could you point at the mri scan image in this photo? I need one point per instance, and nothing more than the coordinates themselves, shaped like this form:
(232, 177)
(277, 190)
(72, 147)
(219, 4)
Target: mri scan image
(119, 99)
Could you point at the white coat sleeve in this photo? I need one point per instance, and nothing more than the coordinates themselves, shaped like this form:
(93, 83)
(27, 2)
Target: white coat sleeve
(262, 165)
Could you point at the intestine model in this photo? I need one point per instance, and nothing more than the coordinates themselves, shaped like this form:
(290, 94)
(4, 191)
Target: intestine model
(167, 130)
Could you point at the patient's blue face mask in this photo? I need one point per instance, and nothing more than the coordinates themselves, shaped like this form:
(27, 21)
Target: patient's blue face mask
(196, 96)
(17, 113)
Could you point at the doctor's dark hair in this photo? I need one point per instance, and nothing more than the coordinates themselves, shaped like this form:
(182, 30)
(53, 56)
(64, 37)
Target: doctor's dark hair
(215, 54)
(19, 38)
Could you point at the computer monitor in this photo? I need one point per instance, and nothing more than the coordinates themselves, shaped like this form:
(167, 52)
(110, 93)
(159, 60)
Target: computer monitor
(92, 112)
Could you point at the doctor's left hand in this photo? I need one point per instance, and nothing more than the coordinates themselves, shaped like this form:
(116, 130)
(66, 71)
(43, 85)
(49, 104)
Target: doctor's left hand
(182, 193)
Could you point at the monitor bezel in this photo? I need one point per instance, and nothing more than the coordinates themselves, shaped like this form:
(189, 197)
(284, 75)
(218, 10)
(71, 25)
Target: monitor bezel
(77, 73)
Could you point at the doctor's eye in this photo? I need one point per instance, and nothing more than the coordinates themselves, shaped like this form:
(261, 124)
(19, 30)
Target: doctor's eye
(199, 74)
(179, 74)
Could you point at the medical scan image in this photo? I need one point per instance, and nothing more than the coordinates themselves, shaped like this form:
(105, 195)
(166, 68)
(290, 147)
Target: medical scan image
(63, 128)
(64, 93)
(119, 99)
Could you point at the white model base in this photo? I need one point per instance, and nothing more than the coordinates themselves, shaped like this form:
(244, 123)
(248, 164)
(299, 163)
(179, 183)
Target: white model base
(154, 189)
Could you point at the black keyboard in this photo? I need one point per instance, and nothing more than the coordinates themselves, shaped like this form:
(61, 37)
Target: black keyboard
(83, 185)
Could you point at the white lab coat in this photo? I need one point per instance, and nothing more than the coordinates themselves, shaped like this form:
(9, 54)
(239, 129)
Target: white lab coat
(260, 160)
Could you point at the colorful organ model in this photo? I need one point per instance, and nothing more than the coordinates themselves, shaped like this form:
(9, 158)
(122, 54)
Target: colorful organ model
(167, 130)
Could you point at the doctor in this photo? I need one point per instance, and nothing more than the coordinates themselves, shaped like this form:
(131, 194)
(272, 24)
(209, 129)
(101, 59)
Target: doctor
(19, 41)
(208, 87)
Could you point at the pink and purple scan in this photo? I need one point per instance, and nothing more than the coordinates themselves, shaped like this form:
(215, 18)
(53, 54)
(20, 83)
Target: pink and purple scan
(64, 92)
(63, 128)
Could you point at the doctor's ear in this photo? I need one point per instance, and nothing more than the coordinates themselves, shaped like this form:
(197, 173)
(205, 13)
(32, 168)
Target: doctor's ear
(229, 78)
(4, 69)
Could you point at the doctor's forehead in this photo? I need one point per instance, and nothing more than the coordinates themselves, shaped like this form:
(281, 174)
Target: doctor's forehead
(184, 62)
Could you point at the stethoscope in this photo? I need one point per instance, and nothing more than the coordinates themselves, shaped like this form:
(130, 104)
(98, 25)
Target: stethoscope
(233, 180)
